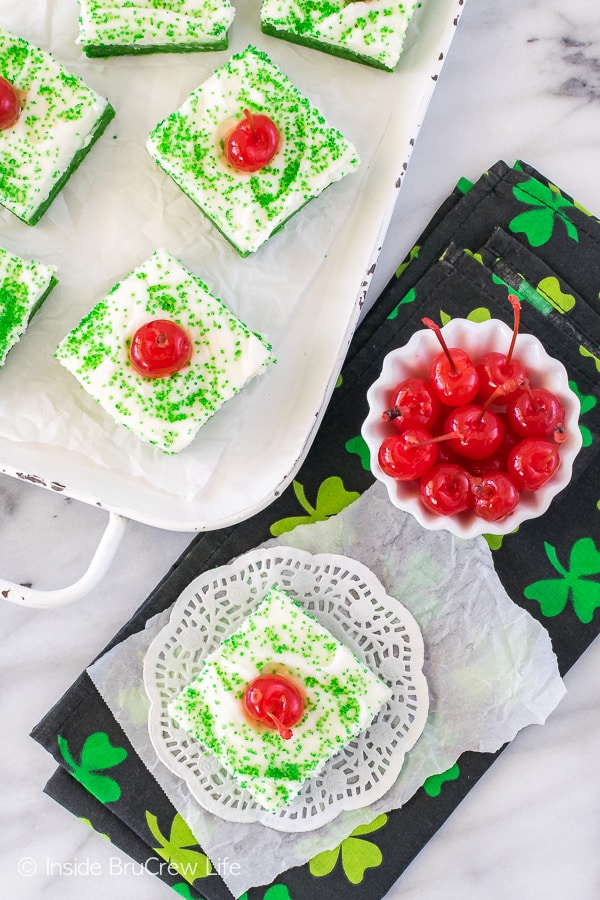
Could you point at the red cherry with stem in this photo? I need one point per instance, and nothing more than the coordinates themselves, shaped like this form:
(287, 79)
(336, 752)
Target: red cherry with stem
(414, 403)
(532, 462)
(537, 412)
(276, 702)
(252, 143)
(495, 368)
(494, 496)
(478, 432)
(446, 489)
(10, 105)
(408, 455)
(453, 374)
(160, 348)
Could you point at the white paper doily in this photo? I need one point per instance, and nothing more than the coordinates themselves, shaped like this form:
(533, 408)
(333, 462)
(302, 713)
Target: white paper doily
(347, 598)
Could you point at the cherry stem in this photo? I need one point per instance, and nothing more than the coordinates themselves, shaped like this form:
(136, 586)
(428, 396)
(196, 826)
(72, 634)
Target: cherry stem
(507, 387)
(389, 414)
(560, 433)
(479, 489)
(516, 305)
(438, 439)
(284, 733)
(438, 333)
(250, 118)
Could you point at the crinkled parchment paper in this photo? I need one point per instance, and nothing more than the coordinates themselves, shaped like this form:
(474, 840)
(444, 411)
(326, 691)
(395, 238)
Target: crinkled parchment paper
(489, 665)
(300, 290)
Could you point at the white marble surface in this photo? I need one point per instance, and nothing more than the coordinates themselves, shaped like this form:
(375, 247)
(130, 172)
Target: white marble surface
(522, 80)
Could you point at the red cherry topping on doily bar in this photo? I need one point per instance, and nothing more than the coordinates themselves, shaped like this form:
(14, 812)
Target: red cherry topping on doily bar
(160, 348)
(453, 376)
(10, 105)
(252, 143)
(276, 702)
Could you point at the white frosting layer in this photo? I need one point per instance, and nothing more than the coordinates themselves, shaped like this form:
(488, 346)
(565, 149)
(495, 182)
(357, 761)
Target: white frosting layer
(342, 696)
(371, 28)
(164, 411)
(23, 283)
(247, 208)
(59, 115)
(146, 23)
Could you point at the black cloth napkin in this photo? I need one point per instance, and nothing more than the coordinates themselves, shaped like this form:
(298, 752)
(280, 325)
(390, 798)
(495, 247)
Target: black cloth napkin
(484, 242)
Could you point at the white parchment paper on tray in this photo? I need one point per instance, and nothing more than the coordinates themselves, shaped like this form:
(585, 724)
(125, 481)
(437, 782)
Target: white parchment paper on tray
(489, 665)
(301, 290)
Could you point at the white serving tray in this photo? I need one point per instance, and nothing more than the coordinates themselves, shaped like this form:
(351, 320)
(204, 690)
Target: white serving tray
(303, 289)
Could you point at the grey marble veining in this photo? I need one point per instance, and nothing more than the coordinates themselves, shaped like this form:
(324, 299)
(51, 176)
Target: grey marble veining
(522, 80)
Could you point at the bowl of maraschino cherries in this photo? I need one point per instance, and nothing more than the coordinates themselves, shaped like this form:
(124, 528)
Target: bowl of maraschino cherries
(472, 427)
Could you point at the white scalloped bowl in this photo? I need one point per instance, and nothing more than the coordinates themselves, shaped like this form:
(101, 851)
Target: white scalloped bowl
(477, 338)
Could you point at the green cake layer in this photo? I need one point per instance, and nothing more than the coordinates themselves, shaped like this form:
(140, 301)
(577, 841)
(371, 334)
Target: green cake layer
(61, 119)
(248, 208)
(119, 27)
(166, 411)
(366, 31)
(24, 285)
(342, 696)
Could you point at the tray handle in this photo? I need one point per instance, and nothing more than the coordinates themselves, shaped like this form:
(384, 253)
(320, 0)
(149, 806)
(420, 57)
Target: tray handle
(101, 560)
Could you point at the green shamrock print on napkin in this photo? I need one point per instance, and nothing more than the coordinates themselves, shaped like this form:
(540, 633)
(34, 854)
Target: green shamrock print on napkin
(358, 445)
(275, 892)
(433, 785)
(357, 854)
(409, 297)
(183, 890)
(549, 207)
(97, 754)
(90, 825)
(589, 355)
(332, 498)
(177, 849)
(414, 254)
(550, 288)
(587, 402)
(573, 584)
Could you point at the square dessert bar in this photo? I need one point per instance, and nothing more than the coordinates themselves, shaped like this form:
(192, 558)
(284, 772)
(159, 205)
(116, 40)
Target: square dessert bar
(60, 120)
(168, 410)
(118, 27)
(248, 207)
(366, 31)
(342, 697)
(24, 285)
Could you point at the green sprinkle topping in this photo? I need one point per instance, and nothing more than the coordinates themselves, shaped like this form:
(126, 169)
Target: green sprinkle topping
(341, 698)
(245, 208)
(164, 411)
(60, 120)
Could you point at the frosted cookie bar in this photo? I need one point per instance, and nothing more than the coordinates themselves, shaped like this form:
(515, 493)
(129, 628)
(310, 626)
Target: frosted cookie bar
(118, 27)
(342, 696)
(24, 285)
(60, 120)
(248, 207)
(367, 31)
(167, 409)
